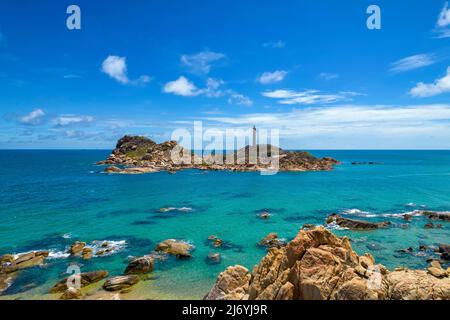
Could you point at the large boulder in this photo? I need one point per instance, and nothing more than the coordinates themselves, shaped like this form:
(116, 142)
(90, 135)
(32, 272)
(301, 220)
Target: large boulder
(355, 224)
(86, 279)
(120, 283)
(140, 265)
(77, 248)
(232, 284)
(180, 249)
(317, 265)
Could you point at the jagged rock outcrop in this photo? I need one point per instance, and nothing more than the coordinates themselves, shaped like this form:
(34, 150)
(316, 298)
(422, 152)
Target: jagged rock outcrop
(355, 224)
(10, 263)
(120, 283)
(317, 265)
(136, 155)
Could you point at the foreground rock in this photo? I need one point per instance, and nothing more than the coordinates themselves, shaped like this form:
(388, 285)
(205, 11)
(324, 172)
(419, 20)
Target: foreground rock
(5, 282)
(120, 283)
(71, 294)
(136, 155)
(176, 248)
(86, 279)
(355, 224)
(140, 266)
(317, 265)
(232, 284)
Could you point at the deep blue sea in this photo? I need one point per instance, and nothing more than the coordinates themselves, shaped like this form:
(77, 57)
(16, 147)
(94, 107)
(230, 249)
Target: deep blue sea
(49, 199)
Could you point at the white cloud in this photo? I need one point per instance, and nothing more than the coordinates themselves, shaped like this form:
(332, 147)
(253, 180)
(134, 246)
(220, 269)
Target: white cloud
(116, 68)
(272, 77)
(213, 89)
(328, 76)
(201, 63)
(239, 99)
(307, 97)
(353, 126)
(181, 87)
(275, 45)
(35, 117)
(442, 25)
(413, 62)
(444, 16)
(67, 120)
(439, 86)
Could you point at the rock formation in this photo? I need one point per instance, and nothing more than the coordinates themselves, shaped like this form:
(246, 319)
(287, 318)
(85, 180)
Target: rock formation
(120, 283)
(140, 265)
(176, 248)
(86, 278)
(136, 155)
(317, 265)
(355, 224)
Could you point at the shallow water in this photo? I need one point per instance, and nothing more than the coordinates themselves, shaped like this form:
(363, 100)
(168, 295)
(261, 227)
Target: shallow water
(49, 199)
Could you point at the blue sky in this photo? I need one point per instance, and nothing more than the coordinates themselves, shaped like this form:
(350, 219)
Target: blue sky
(309, 68)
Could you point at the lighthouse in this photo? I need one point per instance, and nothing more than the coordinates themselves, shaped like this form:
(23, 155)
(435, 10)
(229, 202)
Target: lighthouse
(254, 137)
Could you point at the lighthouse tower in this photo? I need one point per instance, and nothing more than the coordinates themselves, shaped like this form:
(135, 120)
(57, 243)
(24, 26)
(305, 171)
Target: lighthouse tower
(254, 137)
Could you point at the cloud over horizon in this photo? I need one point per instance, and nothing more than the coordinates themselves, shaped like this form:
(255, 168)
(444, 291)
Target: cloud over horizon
(307, 97)
(116, 68)
(201, 62)
(412, 62)
(439, 86)
(272, 77)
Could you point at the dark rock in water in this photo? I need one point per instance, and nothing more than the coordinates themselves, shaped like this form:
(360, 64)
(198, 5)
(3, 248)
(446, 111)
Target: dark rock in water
(214, 258)
(120, 283)
(142, 222)
(444, 216)
(308, 226)
(407, 250)
(174, 247)
(71, 294)
(264, 215)
(87, 253)
(355, 224)
(140, 265)
(431, 225)
(444, 250)
(374, 246)
(86, 278)
(407, 217)
(271, 241)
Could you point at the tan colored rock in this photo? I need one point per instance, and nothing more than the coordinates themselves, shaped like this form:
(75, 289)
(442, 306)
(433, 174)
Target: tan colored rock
(71, 294)
(120, 283)
(5, 282)
(355, 224)
(76, 248)
(232, 284)
(317, 265)
(174, 247)
(271, 241)
(437, 272)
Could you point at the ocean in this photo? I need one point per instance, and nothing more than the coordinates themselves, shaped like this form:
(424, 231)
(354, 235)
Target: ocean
(49, 199)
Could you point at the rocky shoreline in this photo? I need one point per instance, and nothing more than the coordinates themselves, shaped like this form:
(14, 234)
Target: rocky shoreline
(316, 264)
(138, 155)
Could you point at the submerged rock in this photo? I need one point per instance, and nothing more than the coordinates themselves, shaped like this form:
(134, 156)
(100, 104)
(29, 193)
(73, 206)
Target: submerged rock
(174, 247)
(444, 250)
(271, 241)
(120, 283)
(444, 216)
(86, 278)
(264, 215)
(317, 265)
(355, 224)
(140, 265)
(214, 258)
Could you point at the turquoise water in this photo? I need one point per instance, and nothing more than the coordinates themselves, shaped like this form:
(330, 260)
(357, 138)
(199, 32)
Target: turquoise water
(51, 198)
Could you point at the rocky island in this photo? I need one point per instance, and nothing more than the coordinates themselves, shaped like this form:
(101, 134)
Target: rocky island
(137, 154)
